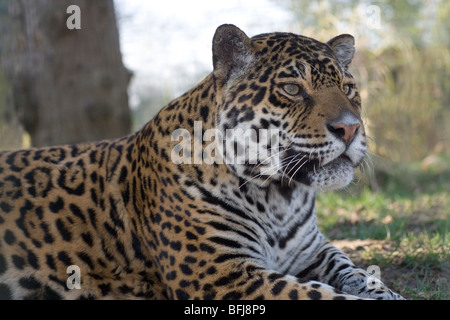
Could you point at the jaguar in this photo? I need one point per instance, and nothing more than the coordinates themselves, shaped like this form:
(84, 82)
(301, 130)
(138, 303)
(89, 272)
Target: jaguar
(120, 219)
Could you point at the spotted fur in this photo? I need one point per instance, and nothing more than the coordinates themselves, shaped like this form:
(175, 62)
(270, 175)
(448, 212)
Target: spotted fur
(139, 225)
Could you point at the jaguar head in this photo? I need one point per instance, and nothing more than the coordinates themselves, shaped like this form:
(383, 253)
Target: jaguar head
(288, 108)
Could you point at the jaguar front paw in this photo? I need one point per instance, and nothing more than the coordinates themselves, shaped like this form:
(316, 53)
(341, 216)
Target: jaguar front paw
(364, 285)
(382, 292)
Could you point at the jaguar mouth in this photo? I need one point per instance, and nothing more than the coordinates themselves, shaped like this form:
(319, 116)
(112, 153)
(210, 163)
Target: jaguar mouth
(343, 157)
(305, 170)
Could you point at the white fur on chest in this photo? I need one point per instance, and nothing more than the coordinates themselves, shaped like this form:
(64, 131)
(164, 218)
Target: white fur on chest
(293, 224)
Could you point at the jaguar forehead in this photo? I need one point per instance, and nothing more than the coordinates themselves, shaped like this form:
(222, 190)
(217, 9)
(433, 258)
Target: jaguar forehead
(303, 54)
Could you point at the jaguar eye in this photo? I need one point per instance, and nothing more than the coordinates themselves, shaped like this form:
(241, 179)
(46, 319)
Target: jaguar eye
(292, 89)
(346, 88)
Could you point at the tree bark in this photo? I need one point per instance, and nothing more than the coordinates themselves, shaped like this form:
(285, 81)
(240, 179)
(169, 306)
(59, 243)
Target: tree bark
(10, 129)
(68, 86)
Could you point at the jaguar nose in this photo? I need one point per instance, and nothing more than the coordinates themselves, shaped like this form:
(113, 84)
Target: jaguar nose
(345, 128)
(344, 132)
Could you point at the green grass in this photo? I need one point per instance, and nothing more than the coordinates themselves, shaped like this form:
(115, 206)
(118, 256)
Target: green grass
(404, 225)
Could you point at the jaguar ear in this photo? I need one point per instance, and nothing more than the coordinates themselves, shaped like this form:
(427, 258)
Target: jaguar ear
(343, 48)
(232, 51)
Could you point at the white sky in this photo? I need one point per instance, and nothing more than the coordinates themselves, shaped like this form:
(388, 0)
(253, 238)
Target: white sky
(168, 43)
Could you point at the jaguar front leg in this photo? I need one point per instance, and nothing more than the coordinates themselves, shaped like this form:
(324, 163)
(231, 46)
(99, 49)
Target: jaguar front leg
(332, 266)
(265, 284)
(247, 281)
(270, 285)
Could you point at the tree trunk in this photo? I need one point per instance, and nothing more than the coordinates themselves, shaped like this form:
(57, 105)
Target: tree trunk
(10, 129)
(68, 85)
